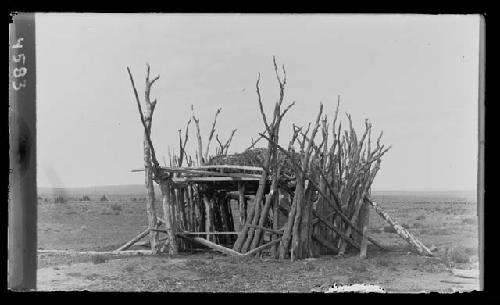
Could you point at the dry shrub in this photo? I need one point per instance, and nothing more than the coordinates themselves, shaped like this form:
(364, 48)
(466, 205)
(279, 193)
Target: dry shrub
(309, 266)
(59, 199)
(471, 251)
(458, 255)
(116, 207)
(104, 198)
(98, 259)
(85, 198)
(389, 229)
(420, 217)
(469, 220)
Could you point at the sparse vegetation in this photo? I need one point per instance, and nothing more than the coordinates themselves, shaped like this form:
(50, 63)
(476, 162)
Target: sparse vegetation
(59, 199)
(420, 217)
(104, 198)
(251, 273)
(85, 198)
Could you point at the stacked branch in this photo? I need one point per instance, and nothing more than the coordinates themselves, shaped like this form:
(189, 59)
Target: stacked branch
(328, 212)
(327, 182)
(251, 234)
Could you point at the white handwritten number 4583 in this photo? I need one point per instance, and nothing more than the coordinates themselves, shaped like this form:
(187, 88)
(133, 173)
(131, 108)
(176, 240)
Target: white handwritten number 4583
(19, 72)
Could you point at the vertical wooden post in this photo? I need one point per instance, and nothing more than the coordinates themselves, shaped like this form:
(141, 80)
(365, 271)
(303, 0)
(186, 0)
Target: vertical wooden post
(208, 214)
(364, 217)
(168, 217)
(276, 201)
(242, 204)
(22, 155)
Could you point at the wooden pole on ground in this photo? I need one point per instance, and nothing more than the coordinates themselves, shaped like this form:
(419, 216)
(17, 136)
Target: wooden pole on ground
(415, 243)
(133, 240)
(211, 245)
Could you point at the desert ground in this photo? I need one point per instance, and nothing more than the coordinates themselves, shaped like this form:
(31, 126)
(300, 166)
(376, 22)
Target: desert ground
(445, 221)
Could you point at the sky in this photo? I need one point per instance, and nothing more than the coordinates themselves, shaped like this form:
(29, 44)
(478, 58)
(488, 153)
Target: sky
(413, 76)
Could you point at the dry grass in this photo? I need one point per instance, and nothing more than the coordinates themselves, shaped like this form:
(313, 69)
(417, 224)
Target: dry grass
(442, 227)
(382, 262)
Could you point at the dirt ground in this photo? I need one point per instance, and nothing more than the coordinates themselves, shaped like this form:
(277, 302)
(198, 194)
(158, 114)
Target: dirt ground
(447, 223)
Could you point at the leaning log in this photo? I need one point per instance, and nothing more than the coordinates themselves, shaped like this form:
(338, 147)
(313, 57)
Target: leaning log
(336, 230)
(133, 240)
(211, 245)
(258, 249)
(415, 243)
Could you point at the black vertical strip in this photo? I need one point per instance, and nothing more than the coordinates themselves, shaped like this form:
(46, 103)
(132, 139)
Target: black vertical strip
(22, 154)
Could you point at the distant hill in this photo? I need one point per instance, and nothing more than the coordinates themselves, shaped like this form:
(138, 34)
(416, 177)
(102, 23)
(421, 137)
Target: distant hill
(424, 196)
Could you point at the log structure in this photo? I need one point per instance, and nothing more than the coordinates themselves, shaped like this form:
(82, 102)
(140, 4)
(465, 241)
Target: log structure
(304, 200)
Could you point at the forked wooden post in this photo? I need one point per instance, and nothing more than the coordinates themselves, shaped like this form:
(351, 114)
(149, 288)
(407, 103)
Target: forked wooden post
(149, 157)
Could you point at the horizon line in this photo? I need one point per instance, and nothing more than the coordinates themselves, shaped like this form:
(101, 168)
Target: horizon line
(373, 190)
